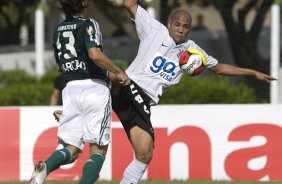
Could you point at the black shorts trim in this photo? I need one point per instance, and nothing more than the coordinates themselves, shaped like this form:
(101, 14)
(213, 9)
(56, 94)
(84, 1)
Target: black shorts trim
(132, 106)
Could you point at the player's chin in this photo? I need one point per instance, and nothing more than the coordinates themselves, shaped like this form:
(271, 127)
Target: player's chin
(179, 39)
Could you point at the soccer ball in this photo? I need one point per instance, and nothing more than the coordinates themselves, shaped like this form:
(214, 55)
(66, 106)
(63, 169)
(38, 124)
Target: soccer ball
(192, 62)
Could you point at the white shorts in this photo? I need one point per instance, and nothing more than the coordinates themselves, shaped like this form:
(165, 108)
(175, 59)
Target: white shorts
(87, 113)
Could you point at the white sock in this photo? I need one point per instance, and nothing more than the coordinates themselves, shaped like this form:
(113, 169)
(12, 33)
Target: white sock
(134, 172)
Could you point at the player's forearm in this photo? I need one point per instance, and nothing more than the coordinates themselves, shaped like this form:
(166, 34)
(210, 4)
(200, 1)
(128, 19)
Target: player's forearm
(225, 69)
(100, 59)
(53, 100)
(108, 65)
(131, 6)
(54, 96)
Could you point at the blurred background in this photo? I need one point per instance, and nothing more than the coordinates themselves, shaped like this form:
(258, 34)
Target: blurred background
(237, 32)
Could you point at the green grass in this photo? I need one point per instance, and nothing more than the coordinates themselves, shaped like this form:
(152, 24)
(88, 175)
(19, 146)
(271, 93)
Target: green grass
(157, 182)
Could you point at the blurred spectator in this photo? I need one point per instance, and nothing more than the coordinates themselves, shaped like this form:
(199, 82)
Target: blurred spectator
(23, 35)
(200, 25)
(56, 96)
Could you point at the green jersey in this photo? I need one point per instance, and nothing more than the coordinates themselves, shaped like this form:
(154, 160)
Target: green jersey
(71, 40)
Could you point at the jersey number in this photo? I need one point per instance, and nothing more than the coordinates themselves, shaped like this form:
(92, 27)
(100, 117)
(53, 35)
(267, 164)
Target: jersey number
(67, 49)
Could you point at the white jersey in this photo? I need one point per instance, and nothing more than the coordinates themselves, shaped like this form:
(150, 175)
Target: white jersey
(156, 66)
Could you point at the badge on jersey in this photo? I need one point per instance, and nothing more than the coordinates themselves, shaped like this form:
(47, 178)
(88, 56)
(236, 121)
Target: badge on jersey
(180, 51)
(162, 67)
(90, 30)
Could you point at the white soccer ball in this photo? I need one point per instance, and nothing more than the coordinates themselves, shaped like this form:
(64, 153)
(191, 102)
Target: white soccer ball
(192, 62)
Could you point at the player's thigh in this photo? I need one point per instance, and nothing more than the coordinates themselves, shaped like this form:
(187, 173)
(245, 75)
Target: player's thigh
(97, 116)
(70, 126)
(141, 141)
(70, 130)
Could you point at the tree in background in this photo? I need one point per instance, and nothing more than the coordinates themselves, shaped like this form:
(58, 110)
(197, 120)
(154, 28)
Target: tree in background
(13, 15)
(243, 41)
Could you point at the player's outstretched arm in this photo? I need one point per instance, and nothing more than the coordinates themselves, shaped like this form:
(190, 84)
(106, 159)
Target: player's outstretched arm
(99, 58)
(131, 6)
(226, 69)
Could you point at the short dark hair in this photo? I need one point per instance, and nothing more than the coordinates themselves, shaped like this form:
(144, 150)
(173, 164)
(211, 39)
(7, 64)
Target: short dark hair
(72, 7)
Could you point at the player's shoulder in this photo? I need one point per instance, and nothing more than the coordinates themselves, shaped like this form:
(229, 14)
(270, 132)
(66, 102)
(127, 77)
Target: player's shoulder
(91, 21)
(91, 25)
(191, 44)
(59, 27)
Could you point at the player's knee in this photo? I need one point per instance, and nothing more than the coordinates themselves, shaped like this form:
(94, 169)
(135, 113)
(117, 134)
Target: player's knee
(73, 159)
(75, 156)
(74, 152)
(144, 156)
(144, 152)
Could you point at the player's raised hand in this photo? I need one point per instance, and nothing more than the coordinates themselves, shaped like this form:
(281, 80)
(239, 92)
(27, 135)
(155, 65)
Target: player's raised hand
(264, 77)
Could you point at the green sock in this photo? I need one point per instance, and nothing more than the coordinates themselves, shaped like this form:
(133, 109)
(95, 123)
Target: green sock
(58, 158)
(92, 168)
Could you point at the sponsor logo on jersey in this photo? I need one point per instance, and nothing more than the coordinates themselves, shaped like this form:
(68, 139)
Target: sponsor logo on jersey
(73, 66)
(164, 45)
(162, 67)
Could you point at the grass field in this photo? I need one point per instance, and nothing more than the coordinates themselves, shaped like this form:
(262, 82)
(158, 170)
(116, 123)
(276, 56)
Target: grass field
(157, 182)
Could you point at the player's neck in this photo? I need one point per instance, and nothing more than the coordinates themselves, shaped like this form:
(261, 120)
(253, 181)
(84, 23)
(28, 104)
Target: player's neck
(82, 14)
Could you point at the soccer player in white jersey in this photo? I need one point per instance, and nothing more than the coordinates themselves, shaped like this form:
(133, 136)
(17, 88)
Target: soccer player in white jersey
(154, 69)
(86, 117)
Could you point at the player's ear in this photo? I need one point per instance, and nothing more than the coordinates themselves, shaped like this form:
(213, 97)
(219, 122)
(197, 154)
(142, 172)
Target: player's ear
(189, 31)
(168, 24)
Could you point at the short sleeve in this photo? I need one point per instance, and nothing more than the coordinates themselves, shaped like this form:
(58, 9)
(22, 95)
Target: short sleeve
(210, 60)
(60, 83)
(145, 24)
(92, 34)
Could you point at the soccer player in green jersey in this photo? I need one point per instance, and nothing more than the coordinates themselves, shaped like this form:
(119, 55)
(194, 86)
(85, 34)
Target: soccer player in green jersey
(87, 109)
